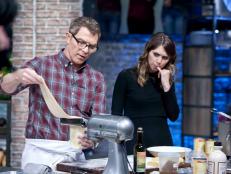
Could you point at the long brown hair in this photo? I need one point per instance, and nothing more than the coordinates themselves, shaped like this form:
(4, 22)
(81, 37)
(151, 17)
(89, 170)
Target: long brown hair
(158, 39)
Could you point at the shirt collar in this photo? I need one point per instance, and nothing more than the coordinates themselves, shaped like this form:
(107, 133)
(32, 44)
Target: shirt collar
(67, 63)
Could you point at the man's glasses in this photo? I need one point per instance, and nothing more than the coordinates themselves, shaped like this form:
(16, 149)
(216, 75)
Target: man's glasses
(83, 44)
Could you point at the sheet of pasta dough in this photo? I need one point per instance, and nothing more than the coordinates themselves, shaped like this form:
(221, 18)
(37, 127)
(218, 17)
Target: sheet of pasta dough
(58, 112)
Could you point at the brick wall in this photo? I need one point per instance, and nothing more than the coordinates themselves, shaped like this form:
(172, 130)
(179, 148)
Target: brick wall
(39, 29)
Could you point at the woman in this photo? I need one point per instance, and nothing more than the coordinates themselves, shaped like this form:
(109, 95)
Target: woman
(146, 93)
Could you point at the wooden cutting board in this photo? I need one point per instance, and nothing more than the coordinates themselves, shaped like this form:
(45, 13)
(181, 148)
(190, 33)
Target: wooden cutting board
(74, 168)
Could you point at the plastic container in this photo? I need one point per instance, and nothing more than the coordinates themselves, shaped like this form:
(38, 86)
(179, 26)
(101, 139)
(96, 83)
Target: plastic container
(199, 159)
(224, 127)
(168, 162)
(227, 145)
(217, 161)
(228, 170)
(187, 170)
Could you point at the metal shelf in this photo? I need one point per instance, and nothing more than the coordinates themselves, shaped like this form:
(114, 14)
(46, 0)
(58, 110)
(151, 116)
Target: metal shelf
(221, 75)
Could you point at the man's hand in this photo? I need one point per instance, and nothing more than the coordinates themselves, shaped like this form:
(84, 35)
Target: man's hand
(85, 142)
(28, 76)
(24, 76)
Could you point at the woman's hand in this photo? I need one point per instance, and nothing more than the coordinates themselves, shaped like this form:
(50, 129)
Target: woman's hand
(164, 75)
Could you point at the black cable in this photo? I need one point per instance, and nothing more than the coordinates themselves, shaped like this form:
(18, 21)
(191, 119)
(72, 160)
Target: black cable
(125, 152)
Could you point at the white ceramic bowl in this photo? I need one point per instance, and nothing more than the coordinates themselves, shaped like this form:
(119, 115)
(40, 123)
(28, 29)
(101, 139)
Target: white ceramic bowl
(183, 151)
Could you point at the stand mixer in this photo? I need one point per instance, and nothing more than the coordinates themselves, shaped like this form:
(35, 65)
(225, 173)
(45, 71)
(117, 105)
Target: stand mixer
(224, 130)
(117, 130)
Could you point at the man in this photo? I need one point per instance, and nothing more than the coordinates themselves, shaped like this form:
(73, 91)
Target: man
(77, 87)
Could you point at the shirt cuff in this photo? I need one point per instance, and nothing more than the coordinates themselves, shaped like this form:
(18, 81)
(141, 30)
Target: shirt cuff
(169, 94)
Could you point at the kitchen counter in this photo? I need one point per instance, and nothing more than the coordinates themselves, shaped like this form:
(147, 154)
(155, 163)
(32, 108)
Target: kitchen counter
(95, 166)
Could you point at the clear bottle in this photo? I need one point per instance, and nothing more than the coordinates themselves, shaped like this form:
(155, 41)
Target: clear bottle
(217, 161)
(139, 153)
(209, 147)
(199, 160)
(228, 170)
(227, 145)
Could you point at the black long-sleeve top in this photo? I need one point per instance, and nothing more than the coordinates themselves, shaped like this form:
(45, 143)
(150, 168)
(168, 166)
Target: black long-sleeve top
(148, 106)
(8, 11)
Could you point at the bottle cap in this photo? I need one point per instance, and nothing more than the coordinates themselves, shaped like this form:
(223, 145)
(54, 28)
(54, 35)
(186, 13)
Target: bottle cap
(217, 143)
(140, 129)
